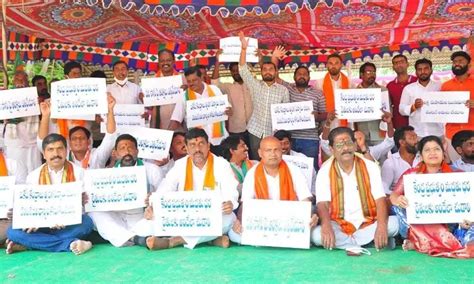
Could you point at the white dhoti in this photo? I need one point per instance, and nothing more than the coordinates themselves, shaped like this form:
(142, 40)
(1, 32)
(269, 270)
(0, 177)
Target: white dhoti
(29, 155)
(360, 238)
(145, 228)
(117, 227)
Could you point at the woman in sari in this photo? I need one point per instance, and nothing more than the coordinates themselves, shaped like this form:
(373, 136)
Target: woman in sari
(432, 239)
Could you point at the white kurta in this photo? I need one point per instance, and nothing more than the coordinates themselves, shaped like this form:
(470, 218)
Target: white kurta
(175, 180)
(20, 142)
(126, 94)
(100, 155)
(56, 177)
(248, 189)
(179, 114)
(352, 206)
(117, 227)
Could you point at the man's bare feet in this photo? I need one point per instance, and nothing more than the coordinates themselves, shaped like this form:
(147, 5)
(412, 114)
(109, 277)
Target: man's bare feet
(79, 246)
(11, 247)
(157, 243)
(407, 245)
(176, 241)
(222, 241)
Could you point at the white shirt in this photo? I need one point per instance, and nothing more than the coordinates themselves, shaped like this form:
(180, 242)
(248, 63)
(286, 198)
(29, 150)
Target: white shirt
(313, 177)
(179, 113)
(167, 167)
(154, 176)
(223, 174)
(99, 156)
(352, 206)
(17, 169)
(377, 151)
(56, 177)
(22, 134)
(412, 92)
(461, 165)
(393, 168)
(299, 184)
(128, 94)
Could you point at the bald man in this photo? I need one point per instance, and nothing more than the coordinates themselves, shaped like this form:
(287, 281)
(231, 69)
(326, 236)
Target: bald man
(272, 179)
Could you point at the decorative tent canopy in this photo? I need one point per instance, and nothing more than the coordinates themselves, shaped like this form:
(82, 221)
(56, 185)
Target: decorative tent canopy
(107, 30)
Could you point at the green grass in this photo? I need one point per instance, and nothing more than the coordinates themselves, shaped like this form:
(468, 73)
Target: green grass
(105, 264)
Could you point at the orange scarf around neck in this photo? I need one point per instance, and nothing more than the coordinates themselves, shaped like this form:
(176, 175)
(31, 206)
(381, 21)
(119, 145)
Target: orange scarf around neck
(68, 174)
(328, 91)
(287, 191)
(217, 127)
(209, 178)
(337, 196)
(444, 168)
(3, 166)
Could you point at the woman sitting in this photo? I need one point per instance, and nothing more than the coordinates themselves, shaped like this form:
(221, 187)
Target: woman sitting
(432, 239)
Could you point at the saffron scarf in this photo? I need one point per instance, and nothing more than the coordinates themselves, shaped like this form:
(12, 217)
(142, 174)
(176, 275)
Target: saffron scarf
(329, 93)
(242, 172)
(287, 192)
(209, 178)
(68, 174)
(84, 162)
(217, 127)
(63, 126)
(444, 168)
(3, 166)
(337, 196)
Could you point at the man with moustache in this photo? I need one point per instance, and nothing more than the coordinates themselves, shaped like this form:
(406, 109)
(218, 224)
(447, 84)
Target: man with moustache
(396, 86)
(161, 115)
(411, 102)
(41, 85)
(177, 151)
(239, 97)
(80, 151)
(60, 238)
(272, 179)
(305, 141)
(463, 81)
(406, 158)
(350, 199)
(264, 94)
(117, 227)
(19, 134)
(463, 143)
(199, 171)
(124, 91)
(333, 80)
(196, 90)
(371, 129)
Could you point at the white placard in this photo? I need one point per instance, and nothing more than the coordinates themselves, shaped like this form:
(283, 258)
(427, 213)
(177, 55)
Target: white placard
(161, 90)
(192, 213)
(305, 164)
(127, 116)
(276, 223)
(231, 48)
(292, 116)
(445, 107)
(115, 189)
(439, 198)
(152, 143)
(20, 102)
(358, 104)
(45, 206)
(206, 110)
(6, 195)
(77, 97)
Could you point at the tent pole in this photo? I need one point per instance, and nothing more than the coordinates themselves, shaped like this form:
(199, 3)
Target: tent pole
(4, 44)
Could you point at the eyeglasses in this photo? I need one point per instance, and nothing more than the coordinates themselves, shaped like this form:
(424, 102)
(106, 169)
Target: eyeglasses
(341, 145)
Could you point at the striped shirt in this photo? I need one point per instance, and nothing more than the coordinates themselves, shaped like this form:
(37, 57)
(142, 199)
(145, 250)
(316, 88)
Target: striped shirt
(319, 105)
(263, 96)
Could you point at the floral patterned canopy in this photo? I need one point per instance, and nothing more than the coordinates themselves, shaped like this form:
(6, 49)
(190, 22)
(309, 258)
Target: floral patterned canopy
(307, 27)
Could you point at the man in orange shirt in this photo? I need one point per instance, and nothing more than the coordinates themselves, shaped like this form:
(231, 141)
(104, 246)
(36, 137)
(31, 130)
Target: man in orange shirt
(462, 81)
